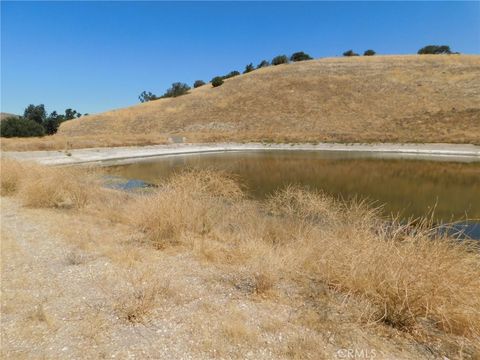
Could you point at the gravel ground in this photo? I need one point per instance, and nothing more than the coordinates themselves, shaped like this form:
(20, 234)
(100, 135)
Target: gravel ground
(67, 279)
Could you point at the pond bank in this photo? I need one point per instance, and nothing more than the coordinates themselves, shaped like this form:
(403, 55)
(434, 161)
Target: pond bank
(121, 155)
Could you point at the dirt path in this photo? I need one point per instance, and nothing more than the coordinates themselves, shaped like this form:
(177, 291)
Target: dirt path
(77, 287)
(452, 152)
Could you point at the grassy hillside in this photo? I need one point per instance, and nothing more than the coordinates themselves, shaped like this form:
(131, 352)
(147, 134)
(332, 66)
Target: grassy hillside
(380, 98)
(4, 116)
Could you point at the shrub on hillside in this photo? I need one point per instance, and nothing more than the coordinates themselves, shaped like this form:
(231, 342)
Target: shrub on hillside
(217, 81)
(369, 53)
(147, 96)
(177, 89)
(20, 127)
(280, 59)
(350, 53)
(263, 63)
(231, 74)
(70, 114)
(198, 83)
(249, 68)
(300, 56)
(435, 50)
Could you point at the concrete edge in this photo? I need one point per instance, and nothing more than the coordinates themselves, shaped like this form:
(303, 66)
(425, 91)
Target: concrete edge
(118, 155)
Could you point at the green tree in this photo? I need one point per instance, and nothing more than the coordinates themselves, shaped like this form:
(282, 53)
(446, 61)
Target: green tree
(435, 49)
(217, 81)
(20, 127)
(71, 114)
(147, 96)
(263, 63)
(177, 89)
(198, 83)
(350, 53)
(232, 74)
(51, 126)
(300, 56)
(35, 113)
(280, 59)
(52, 123)
(369, 52)
(249, 68)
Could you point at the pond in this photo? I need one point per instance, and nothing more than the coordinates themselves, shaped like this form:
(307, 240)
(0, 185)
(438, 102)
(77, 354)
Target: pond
(407, 187)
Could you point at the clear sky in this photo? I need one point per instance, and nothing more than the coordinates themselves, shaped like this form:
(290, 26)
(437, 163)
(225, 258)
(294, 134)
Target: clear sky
(96, 56)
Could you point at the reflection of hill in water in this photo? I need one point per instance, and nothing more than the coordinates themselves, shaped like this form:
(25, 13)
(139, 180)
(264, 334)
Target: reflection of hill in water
(410, 187)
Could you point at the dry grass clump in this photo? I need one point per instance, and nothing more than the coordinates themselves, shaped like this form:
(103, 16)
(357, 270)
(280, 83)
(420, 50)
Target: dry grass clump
(405, 276)
(405, 279)
(58, 187)
(236, 329)
(293, 201)
(136, 293)
(192, 202)
(10, 175)
(40, 186)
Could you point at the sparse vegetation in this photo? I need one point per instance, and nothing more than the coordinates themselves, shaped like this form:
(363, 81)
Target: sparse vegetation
(232, 74)
(249, 68)
(263, 63)
(146, 96)
(300, 56)
(280, 59)
(177, 89)
(198, 83)
(350, 53)
(435, 50)
(217, 81)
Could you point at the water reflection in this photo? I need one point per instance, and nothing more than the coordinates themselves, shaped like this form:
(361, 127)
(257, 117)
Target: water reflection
(410, 188)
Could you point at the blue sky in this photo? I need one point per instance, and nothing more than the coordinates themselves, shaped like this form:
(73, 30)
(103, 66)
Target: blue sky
(96, 56)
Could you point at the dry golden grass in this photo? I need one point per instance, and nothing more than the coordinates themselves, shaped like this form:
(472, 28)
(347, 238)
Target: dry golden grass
(413, 279)
(11, 172)
(40, 186)
(136, 293)
(182, 206)
(380, 98)
(66, 143)
(407, 98)
(405, 275)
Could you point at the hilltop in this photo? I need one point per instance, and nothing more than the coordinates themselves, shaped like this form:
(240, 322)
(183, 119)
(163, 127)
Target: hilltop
(429, 98)
(4, 115)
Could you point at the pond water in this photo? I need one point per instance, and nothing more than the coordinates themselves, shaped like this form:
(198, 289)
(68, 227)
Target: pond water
(409, 188)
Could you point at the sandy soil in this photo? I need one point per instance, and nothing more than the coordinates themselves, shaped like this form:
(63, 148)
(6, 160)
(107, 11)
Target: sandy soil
(453, 152)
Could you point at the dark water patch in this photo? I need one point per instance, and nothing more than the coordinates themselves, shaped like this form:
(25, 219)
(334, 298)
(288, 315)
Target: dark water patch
(121, 183)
